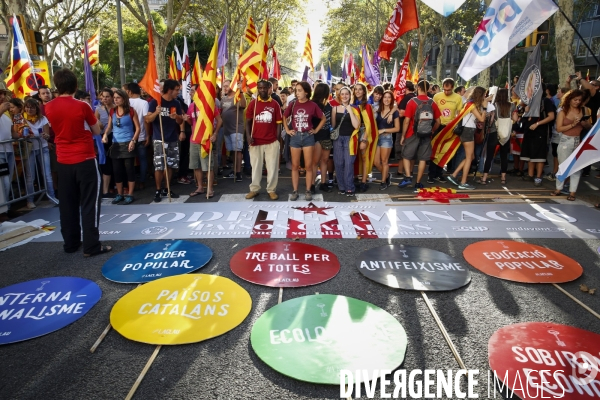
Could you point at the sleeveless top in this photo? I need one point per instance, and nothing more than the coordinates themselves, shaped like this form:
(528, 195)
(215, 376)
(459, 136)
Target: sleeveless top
(123, 128)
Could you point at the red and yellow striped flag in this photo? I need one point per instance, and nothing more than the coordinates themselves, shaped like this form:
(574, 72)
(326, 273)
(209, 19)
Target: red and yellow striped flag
(308, 55)
(371, 135)
(250, 33)
(251, 62)
(173, 67)
(205, 101)
(445, 143)
(237, 76)
(93, 48)
(20, 69)
(196, 72)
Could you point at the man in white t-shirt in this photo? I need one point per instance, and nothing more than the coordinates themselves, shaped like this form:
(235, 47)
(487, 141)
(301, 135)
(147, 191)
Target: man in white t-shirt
(141, 108)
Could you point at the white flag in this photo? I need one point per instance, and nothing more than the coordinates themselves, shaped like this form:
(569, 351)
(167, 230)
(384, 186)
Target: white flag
(505, 24)
(187, 78)
(395, 72)
(587, 153)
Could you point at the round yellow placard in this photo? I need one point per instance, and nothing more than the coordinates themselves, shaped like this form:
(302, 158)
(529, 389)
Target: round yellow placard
(181, 309)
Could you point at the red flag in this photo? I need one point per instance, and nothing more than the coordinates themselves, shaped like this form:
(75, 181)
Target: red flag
(150, 82)
(400, 84)
(403, 19)
(276, 70)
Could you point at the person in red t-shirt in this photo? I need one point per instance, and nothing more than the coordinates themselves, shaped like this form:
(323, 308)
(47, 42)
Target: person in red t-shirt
(79, 186)
(263, 119)
(415, 147)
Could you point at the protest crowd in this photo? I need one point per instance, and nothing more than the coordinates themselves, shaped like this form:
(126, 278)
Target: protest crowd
(333, 134)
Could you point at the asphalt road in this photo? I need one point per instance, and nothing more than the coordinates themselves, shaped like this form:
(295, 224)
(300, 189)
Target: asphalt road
(60, 365)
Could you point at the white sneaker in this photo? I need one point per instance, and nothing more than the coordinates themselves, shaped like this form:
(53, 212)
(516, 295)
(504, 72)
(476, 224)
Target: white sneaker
(466, 186)
(30, 205)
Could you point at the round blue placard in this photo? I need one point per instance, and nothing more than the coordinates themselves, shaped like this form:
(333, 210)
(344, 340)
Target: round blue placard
(35, 308)
(156, 260)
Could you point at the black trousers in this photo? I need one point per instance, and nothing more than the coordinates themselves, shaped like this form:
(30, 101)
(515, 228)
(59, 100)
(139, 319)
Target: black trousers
(79, 195)
(492, 142)
(436, 171)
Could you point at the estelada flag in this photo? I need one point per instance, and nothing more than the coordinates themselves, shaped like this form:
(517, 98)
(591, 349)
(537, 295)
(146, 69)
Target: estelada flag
(371, 135)
(403, 19)
(445, 143)
(204, 98)
(172, 67)
(21, 79)
(150, 82)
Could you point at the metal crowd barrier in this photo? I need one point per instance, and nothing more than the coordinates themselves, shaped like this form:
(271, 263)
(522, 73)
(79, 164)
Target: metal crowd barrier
(18, 163)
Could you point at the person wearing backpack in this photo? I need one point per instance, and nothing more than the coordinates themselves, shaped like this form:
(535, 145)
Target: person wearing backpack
(125, 127)
(507, 115)
(467, 136)
(421, 119)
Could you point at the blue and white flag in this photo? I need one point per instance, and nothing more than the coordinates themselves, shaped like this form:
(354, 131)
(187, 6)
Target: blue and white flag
(587, 153)
(505, 24)
(444, 7)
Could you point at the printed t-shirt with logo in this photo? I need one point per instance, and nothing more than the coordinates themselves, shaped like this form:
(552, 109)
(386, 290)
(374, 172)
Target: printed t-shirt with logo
(170, 127)
(303, 115)
(411, 109)
(266, 118)
(68, 116)
(450, 106)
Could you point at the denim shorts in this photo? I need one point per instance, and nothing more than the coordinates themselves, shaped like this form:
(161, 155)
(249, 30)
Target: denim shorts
(302, 139)
(234, 142)
(385, 141)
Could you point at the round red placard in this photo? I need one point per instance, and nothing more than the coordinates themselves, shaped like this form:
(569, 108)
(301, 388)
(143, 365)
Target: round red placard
(522, 262)
(285, 264)
(538, 360)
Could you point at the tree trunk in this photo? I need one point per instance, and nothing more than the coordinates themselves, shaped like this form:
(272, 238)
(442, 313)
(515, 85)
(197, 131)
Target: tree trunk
(160, 48)
(440, 71)
(564, 40)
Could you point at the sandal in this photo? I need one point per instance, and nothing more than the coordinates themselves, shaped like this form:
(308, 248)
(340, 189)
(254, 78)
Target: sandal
(571, 198)
(103, 249)
(211, 194)
(503, 182)
(482, 182)
(556, 193)
(196, 193)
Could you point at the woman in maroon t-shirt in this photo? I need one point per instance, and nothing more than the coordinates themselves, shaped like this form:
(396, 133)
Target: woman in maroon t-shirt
(302, 132)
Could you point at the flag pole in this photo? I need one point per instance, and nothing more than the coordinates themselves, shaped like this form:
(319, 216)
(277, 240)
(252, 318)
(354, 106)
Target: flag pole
(208, 180)
(162, 139)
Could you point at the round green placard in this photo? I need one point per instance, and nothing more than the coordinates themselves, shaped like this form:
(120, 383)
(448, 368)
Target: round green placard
(313, 338)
